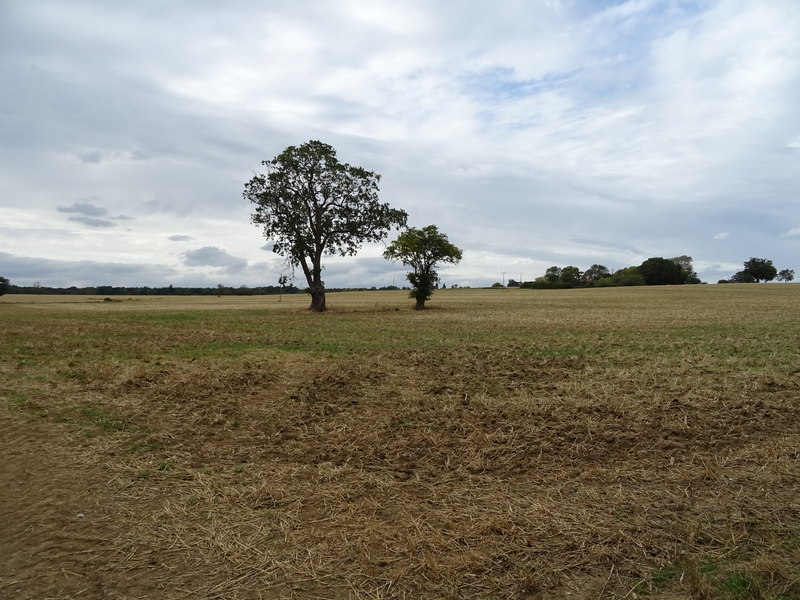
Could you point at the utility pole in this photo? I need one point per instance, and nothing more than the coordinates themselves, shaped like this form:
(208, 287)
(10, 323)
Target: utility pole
(504, 279)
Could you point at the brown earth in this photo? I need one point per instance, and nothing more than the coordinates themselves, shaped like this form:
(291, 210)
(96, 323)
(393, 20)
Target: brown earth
(59, 519)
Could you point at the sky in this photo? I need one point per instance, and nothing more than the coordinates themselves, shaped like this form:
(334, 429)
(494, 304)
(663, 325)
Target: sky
(532, 133)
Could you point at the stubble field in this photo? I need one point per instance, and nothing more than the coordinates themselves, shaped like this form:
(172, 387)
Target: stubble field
(606, 443)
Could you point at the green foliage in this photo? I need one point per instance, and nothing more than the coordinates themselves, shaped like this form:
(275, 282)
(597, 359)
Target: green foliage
(4, 285)
(309, 205)
(595, 273)
(626, 277)
(662, 271)
(513, 283)
(100, 418)
(786, 275)
(685, 263)
(654, 271)
(553, 274)
(605, 282)
(422, 250)
(742, 277)
(541, 283)
(571, 275)
(760, 269)
(497, 284)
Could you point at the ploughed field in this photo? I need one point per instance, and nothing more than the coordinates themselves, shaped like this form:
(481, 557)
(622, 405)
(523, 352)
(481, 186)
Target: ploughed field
(595, 443)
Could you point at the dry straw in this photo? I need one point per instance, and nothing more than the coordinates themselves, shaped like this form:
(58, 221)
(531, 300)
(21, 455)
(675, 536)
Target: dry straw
(596, 443)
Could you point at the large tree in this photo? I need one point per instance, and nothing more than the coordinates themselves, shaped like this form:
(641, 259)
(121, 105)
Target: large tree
(685, 263)
(661, 271)
(786, 275)
(760, 269)
(4, 285)
(310, 205)
(422, 250)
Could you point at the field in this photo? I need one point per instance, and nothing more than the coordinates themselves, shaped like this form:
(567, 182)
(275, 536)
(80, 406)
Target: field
(599, 443)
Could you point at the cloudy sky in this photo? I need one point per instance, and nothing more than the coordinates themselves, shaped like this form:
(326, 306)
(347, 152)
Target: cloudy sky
(532, 132)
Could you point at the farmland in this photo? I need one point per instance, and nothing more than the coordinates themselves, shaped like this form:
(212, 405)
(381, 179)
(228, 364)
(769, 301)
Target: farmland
(596, 443)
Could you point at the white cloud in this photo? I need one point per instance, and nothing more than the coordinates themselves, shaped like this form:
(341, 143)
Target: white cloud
(793, 232)
(722, 235)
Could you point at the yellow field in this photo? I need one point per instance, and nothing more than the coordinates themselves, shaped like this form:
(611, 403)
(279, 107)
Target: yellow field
(596, 443)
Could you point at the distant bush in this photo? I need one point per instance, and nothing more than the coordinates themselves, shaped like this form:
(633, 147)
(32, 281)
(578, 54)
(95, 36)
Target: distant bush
(627, 276)
(540, 283)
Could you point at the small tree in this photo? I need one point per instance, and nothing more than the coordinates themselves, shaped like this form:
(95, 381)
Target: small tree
(760, 269)
(422, 250)
(4, 285)
(310, 205)
(282, 281)
(786, 275)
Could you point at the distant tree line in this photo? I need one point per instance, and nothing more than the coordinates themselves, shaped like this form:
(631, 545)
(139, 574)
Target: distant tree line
(653, 271)
(110, 290)
(221, 290)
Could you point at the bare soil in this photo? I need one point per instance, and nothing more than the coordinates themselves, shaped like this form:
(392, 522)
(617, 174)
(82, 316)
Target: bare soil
(59, 521)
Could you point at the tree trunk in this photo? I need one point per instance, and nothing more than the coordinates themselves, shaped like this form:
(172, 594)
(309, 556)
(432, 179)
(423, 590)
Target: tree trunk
(317, 299)
(420, 304)
(316, 286)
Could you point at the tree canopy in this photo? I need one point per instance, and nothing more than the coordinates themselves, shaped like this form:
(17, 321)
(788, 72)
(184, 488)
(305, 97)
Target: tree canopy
(4, 285)
(742, 277)
(662, 271)
(571, 275)
(685, 263)
(596, 272)
(553, 274)
(760, 269)
(309, 205)
(422, 250)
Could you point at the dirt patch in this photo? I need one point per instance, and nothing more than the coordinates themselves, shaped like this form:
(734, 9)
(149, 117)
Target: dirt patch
(68, 524)
(56, 522)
